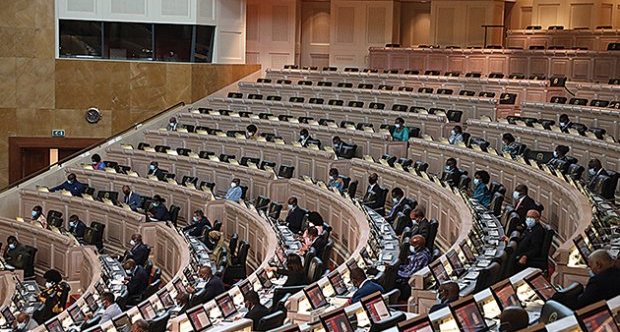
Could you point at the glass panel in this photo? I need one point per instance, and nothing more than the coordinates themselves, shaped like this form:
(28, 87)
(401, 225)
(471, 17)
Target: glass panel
(203, 51)
(128, 41)
(79, 38)
(173, 42)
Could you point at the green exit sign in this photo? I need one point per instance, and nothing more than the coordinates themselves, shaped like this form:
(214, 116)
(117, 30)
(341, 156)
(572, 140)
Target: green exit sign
(58, 133)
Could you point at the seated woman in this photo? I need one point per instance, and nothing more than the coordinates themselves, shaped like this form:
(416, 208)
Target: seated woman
(294, 271)
(335, 181)
(53, 296)
(481, 191)
(314, 221)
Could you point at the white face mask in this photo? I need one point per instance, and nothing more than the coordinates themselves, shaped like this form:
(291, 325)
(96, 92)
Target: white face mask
(476, 182)
(395, 200)
(453, 132)
(21, 325)
(132, 242)
(233, 184)
(397, 125)
(516, 195)
(530, 222)
(196, 219)
(48, 284)
(592, 171)
(412, 249)
(290, 206)
(331, 178)
(72, 223)
(562, 124)
(12, 246)
(555, 154)
(128, 271)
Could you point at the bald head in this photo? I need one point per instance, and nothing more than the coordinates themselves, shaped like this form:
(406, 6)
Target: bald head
(448, 292)
(599, 261)
(418, 241)
(513, 318)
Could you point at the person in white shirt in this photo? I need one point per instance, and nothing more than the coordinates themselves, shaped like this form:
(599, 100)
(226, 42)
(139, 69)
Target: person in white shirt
(111, 308)
(23, 322)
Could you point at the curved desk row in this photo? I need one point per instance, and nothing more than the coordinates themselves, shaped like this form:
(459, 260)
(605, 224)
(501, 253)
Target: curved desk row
(472, 107)
(582, 148)
(429, 124)
(596, 40)
(566, 209)
(368, 143)
(313, 163)
(591, 90)
(186, 198)
(593, 117)
(534, 90)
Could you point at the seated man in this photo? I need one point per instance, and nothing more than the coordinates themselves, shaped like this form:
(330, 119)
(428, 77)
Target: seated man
(456, 135)
(335, 181)
(559, 155)
(603, 284)
(364, 285)
(595, 168)
(137, 279)
(158, 211)
(207, 280)
(337, 145)
(139, 252)
(256, 310)
(447, 293)
(155, 171)
(523, 203)
(451, 174)
(304, 136)
(564, 123)
(38, 217)
(481, 191)
(12, 250)
(198, 225)
(172, 124)
(23, 323)
(132, 199)
(295, 216)
(251, 132)
(72, 185)
(531, 241)
(234, 192)
(399, 203)
(374, 197)
(314, 240)
(421, 225)
(111, 308)
(76, 226)
(418, 258)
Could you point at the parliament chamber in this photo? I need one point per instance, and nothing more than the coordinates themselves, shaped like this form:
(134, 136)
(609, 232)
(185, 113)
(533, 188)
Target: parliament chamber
(438, 185)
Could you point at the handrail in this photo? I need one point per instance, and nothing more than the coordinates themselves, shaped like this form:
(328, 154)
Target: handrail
(60, 162)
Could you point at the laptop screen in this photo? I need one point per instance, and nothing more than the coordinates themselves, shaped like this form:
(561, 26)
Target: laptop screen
(147, 311)
(121, 322)
(505, 294)
(375, 307)
(418, 324)
(469, 255)
(335, 279)
(455, 261)
(76, 313)
(439, 272)
(8, 315)
(245, 286)
(315, 296)
(178, 285)
(541, 286)
(582, 247)
(336, 321)
(264, 279)
(468, 316)
(226, 305)
(91, 302)
(54, 326)
(199, 318)
(597, 317)
(165, 298)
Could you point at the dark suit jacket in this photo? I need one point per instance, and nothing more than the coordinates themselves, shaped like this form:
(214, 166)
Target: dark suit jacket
(375, 199)
(526, 205)
(367, 288)
(531, 242)
(76, 188)
(423, 228)
(196, 229)
(79, 229)
(591, 180)
(214, 287)
(399, 207)
(138, 281)
(133, 200)
(452, 178)
(158, 173)
(294, 219)
(319, 245)
(602, 286)
(139, 253)
(255, 314)
(160, 212)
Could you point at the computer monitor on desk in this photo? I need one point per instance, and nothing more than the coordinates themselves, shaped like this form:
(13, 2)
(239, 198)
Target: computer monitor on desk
(439, 272)
(8, 316)
(597, 317)
(122, 323)
(76, 314)
(93, 306)
(178, 285)
(108, 195)
(468, 315)
(165, 298)
(469, 255)
(375, 307)
(54, 325)
(315, 296)
(226, 305)
(147, 311)
(543, 289)
(263, 278)
(455, 261)
(199, 318)
(335, 279)
(417, 324)
(336, 321)
(505, 294)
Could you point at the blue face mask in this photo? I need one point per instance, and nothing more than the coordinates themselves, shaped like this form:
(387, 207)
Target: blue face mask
(35, 214)
(152, 167)
(530, 222)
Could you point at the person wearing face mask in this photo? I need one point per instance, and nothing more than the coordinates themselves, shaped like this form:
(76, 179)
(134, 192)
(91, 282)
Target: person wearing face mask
(213, 285)
(38, 217)
(96, 162)
(304, 136)
(364, 285)
(419, 257)
(399, 203)
(139, 251)
(294, 271)
(72, 185)
(111, 309)
(234, 192)
(337, 145)
(451, 174)
(603, 283)
(456, 135)
(12, 250)
(137, 279)
(251, 132)
(421, 225)
(295, 216)
(76, 227)
(335, 181)
(400, 132)
(522, 203)
(374, 197)
(256, 310)
(155, 171)
(559, 155)
(132, 199)
(481, 191)
(447, 293)
(182, 303)
(595, 168)
(199, 223)
(24, 323)
(530, 242)
(53, 296)
(564, 123)
(172, 124)
(510, 145)
(158, 210)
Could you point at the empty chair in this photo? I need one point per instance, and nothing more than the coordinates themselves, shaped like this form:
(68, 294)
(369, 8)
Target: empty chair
(411, 72)
(271, 321)
(205, 154)
(432, 72)
(420, 166)
(226, 157)
(274, 210)
(598, 132)
(330, 69)
(344, 85)
(486, 94)
(245, 161)
(575, 171)
(263, 80)
(370, 70)
(261, 203)
(189, 179)
(316, 100)
(400, 108)
(315, 270)
(296, 99)
(264, 116)
(405, 88)
(274, 98)
(346, 124)
(496, 75)
(286, 171)
(445, 91)
(284, 117)
(481, 142)
(304, 82)
(351, 69)
(553, 311)
(364, 86)
(326, 122)
(613, 46)
(537, 47)
(454, 115)
(452, 73)
(291, 67)
(487, 276)
(599, 103)
(378, 106)
(425, 90)
(335, 102)
(255, 96)
(235, 95)
(265, 163)
(467, 93)
(161, 148)
(325, 83)
(508, 98)
(282, 81)
(558, 100)
(385, 87)
(356, 103)
(473, 74)
(578, 101)
(363, 126)
(496, 204)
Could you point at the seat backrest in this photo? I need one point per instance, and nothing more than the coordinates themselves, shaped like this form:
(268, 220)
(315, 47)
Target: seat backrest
(496, 204)
(315, 270)
(217, 226)
(271, 321)
(432, 234)
(242, 256)
(420, 166)
(487, 276)
(274, 210)
(464, 181)
(352, 188)
(159, 323)
(310, 254)
(454, 115)
(575, 171)
(232, 244)
(327, 251)
(553, 311)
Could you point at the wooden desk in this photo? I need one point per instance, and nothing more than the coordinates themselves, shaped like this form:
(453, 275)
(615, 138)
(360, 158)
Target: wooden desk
(590, 90)
(566, 209)
(595, 40)
(582, 148)
(189, 200)
(576, 65)
(526, 89)
(472, 107)
(313, 163)
(368, 143)
(593, 117)
(429, 124)
(7, 287)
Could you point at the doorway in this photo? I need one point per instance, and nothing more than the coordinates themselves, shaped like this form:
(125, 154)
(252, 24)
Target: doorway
(28, 155)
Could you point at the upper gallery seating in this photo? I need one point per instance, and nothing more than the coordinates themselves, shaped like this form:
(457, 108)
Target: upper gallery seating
(560, 38)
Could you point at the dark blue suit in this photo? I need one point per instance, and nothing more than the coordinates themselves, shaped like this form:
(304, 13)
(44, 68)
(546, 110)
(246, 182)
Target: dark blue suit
(160, 212)
(602, 286)
(133, 200)
(196, 228)
(76, 188)
(138, 281)
(368, 287)
(78, 230)
(139, 253)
